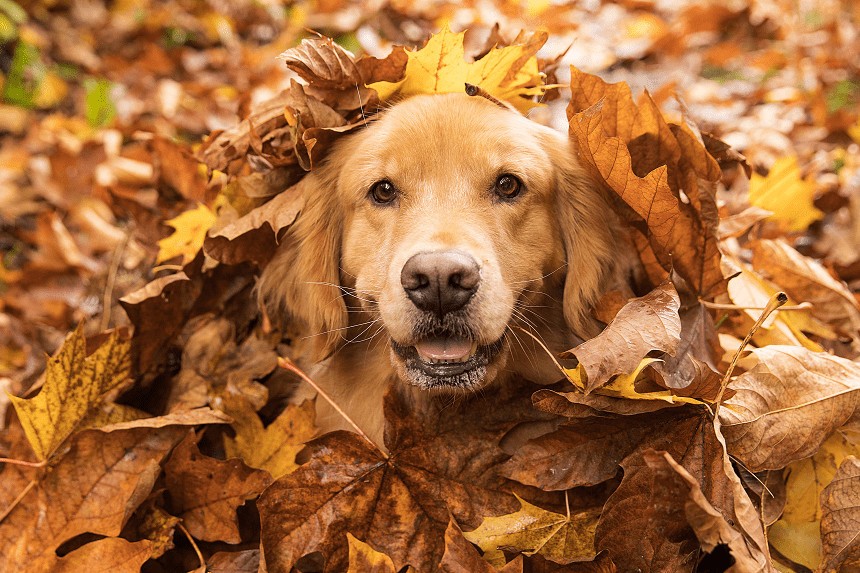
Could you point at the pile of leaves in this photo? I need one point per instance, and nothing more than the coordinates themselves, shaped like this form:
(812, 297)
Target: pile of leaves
(711, 426)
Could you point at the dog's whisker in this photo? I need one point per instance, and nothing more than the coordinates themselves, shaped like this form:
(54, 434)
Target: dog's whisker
(540, 277)
(341, 328)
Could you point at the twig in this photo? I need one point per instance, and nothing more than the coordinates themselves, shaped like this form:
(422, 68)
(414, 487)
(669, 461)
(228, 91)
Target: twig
(776, 301)
(721, 306)
(17, 500)
(473, 90)
(288, 364)
(111, 281)
(194, 545)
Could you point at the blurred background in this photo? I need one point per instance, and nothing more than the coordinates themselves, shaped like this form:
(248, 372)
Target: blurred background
(103, 104)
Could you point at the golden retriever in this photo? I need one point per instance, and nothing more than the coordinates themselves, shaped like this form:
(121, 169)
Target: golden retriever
(428, 240)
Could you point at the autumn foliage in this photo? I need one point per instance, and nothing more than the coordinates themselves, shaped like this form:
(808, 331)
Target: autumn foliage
(713, 425)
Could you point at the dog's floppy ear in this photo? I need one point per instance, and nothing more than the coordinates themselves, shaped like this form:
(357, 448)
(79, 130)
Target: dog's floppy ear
(302, 281)
(592, 237)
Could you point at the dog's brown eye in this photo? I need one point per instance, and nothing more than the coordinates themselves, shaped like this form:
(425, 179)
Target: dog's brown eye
(383, 192)
(507, 186)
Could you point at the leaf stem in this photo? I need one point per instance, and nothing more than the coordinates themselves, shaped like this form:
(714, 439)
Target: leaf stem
(17, 500)
(23, 463)
(720, 306)
(776, 301)
(288, 364)
(194, 545)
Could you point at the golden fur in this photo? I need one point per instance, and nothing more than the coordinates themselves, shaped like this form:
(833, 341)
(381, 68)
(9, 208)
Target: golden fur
(544, 257)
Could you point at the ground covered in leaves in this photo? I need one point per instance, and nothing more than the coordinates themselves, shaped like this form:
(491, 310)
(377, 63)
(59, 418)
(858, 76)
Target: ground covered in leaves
(149, 156)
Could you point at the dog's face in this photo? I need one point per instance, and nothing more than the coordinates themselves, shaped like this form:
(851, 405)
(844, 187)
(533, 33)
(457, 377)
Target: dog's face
(443, 223)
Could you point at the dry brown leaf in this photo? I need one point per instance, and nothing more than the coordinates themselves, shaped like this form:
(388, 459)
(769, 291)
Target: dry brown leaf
(806, 280)
(93, 488)
(578, 405)
(787, 405)
(247, 561)
(643, 325)
(365, 559)
(254, 237)
(840, 519)
(205, 493)
(462, 557)
(107, 555)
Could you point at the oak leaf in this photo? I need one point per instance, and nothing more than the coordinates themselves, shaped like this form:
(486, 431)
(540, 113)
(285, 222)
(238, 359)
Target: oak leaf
(187, 238)
(840, 519)
(205, 493)
(532, 530)
(788, 404)
(785, 194)
(273, 448)
(645, 324)
(509, 74)
(74, 386)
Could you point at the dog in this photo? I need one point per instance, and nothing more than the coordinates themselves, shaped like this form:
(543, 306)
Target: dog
(435, 247)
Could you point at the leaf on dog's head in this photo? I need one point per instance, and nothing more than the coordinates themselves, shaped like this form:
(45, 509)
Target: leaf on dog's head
(510, 73)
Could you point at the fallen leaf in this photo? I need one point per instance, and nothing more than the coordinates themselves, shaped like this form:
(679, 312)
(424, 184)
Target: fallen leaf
(797, 534)
(510, 73)
(806, 280)
(840, 519)
(787, 405)
(158, 527)
(462, 557)
(273, 448)
(205, 493)
(74, 385)
(247, 561)
(643, 325)
(190, 232)
(107, 555)
(93, 488)
(531, 530)
(440, 464)
(785, 194)
(365, 559)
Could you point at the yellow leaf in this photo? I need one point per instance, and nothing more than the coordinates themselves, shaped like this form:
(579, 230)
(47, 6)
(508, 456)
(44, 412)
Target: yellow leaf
(191, 227)
(365, 559)
(854, 131)
(786, 195)
(510, 73)
(623, 385)
(796, 535)
(275, 447)
(559, 538)
(74, 386)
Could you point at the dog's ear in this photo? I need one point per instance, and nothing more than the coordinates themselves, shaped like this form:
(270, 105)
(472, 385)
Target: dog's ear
(302, 281)
(592, 237)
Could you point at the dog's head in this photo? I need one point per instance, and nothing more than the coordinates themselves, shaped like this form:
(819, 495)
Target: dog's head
(440, 226)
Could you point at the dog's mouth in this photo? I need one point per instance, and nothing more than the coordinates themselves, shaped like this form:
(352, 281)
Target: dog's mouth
(441, 362)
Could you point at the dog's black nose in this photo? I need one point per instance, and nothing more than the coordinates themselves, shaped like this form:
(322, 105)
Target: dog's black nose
(440, 281)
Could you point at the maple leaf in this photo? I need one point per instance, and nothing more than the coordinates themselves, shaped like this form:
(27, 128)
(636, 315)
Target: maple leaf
(531, 530)
(273, 448)
(788, 404)
(190, 232)
(74, 386)
(840, 520)
(440, 464)
(206, 492)
(510, 73)
(785, 195)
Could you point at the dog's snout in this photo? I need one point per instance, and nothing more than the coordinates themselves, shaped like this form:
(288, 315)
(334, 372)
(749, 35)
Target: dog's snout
(440, 281)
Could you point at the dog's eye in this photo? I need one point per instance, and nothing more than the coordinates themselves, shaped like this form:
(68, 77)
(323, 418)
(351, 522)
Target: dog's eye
(383, 192)
(507, 186)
